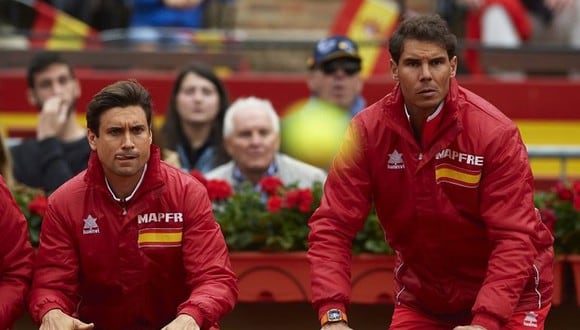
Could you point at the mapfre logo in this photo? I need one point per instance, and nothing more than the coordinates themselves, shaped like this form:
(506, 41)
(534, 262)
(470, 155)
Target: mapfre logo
(395, 161)
(90, 226)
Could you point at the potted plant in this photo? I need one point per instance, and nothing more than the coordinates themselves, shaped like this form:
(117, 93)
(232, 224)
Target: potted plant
(32, 202)
(266, 230)
(560, 210)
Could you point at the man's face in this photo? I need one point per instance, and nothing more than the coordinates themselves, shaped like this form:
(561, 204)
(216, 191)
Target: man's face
(337, 81)
(197, 100)
(55, 80)
(253, 142)
(424, 71)
(123, 142)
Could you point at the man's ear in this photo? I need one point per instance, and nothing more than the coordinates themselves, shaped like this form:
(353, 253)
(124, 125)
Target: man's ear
(453, 66)
(394, 69)
(313, 83)
(228, 145)
(92, 137)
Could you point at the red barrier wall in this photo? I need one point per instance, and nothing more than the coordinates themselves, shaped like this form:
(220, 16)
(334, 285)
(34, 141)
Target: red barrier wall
(539, 99)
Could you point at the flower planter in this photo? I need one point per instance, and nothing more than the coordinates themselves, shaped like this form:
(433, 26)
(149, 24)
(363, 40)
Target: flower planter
(285, 277)
(559, 261)
(574, 261)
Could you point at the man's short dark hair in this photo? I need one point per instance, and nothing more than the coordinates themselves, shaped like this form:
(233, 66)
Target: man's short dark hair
(43, 60)
(120, 94)
(429, 27)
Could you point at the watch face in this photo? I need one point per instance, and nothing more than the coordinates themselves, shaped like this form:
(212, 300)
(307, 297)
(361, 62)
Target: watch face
(334, 315)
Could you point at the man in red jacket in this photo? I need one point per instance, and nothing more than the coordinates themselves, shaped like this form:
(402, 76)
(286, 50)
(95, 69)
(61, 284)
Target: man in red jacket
(131, 242)
(450, 180)
(15, 258)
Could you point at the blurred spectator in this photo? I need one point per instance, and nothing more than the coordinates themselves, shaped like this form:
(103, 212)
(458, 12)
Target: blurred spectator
(511, 23)
(150, 20)
(335, 84)
(193, 123)
(334, 77)
(252, 137)
(60, 149)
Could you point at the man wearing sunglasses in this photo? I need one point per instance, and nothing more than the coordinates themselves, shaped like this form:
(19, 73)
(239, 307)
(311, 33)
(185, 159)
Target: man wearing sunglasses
(334, 77)
(335, 84)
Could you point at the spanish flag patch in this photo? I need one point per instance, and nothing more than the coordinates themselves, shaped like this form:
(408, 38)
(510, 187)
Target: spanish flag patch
(160, 237)
(458, 176)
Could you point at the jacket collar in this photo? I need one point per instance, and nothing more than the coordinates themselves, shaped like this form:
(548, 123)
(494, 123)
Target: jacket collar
(95, 176)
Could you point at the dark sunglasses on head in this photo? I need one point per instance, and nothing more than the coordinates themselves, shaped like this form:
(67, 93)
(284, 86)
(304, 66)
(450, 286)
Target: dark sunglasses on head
(349, 67)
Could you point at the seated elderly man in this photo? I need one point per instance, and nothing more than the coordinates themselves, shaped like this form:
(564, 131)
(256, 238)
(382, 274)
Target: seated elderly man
(252, 138)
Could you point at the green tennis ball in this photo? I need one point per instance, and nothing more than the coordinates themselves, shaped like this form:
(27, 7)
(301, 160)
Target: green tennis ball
(313, 132)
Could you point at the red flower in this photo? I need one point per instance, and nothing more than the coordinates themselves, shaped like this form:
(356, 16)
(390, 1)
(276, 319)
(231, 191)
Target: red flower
(270, 185)
(219, 189)
(299, 198)
(199, 176)
(563, 192)
(305, 200)
(293, 198)
(576, 187)
(274, 204)
(577, 202)
(38, 205)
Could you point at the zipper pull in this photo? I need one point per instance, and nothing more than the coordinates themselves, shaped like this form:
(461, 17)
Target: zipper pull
(420, 156)
(124, 206)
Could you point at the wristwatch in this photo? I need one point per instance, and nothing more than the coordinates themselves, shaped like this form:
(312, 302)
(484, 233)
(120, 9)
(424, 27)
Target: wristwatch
(333, 315)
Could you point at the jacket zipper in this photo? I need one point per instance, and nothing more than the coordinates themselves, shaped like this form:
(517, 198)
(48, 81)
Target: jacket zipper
(124, 206)
(397, 302)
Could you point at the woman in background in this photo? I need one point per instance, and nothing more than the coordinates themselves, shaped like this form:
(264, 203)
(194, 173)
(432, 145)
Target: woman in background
(193, 123)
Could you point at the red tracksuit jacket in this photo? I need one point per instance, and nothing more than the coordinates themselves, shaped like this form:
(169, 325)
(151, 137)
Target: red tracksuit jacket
(459, 212)
(134, 266)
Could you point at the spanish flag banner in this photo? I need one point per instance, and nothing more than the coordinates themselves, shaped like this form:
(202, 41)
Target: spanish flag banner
(160, 237)
(55, 30)
(458, 176)
(368, 22)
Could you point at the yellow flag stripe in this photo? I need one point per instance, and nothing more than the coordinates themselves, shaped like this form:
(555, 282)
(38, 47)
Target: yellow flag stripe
(68, 33)
(445, 172)
(159, 237)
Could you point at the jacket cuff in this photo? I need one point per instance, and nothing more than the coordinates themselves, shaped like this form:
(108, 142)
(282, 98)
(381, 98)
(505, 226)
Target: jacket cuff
(487, 321)
(196, 313)
(39, 313)
(328, 306)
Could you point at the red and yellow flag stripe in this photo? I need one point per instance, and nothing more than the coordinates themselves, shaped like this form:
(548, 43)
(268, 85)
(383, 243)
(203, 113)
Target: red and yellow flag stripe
(160, 237)
(56, 30)
(455, 175)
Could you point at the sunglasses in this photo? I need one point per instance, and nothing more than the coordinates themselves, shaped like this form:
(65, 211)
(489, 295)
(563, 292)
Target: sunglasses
(349, 67)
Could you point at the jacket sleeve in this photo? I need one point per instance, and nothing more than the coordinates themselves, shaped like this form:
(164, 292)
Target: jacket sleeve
(16, 256)
(343, 209)
(56, 269)
(213, 283)
(508, 211)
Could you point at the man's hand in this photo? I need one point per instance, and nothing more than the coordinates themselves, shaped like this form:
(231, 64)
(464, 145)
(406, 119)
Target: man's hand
(469, 327)
(52, 118)
(336, 326)
(55, 319)
(182, 322)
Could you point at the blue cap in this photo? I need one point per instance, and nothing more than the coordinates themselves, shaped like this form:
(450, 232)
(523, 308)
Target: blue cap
(332, 48)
